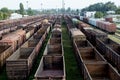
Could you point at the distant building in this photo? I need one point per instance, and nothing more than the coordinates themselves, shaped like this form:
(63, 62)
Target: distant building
(26, 15)
(15, 16)
(110, 12)
(90, 14)
(116, 18)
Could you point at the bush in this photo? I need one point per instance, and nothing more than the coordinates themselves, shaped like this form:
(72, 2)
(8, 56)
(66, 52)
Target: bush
(99, 15)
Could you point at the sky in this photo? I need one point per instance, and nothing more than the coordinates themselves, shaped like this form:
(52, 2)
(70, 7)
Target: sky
(49, 4)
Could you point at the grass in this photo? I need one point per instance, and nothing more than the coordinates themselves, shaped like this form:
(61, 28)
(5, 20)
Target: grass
(31, 77)
(72, 69)
(3, 75)
(114, 38)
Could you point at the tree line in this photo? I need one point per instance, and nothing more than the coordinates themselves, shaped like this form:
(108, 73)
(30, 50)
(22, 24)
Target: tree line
(102, 8)
(5, 12)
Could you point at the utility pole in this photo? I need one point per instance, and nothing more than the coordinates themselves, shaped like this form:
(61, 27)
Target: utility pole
(63, 6)
(41, 6)
(27, 7)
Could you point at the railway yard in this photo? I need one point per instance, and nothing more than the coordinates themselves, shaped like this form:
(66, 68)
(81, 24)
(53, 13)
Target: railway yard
(56, 47)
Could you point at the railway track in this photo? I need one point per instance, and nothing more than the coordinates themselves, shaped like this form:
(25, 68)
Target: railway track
(115, 37)
(24, 33)
(94, 36)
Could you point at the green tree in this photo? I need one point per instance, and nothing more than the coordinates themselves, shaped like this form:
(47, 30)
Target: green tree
(109, 6)
(118, 10)
(22, 11)
(17, 11)
(35, 12)
(77, 11)
(1, 15)
(5, 10)
(5, 13)
(99, 15)
(118, 17)
(68, 10)
(30, 12)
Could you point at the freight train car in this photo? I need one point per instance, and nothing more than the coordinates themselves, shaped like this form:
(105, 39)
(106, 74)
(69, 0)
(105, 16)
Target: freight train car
(82, 25)
(54, 45)
(51, 67)
(104, 25)
(12, 41)
(92, 34)
(5, 52)
(57, 26)
(52, 64)
(85, 19)
(19, 64)
(93, 21)
(70, 24)
(109, 19)
(92, 63)
(100, 40)
(56, 32)
(7, 26)
(100, 71)
(77, 34)
(15, 39)
(110, 50)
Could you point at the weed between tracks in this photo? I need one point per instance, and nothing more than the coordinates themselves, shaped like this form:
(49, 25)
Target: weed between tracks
(34, 69)
(112, 37)
(3, 75)
(72, 70)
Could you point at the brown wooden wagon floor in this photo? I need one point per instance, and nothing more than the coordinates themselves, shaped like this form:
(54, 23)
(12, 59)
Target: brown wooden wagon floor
(51, 73)
(100, 78)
